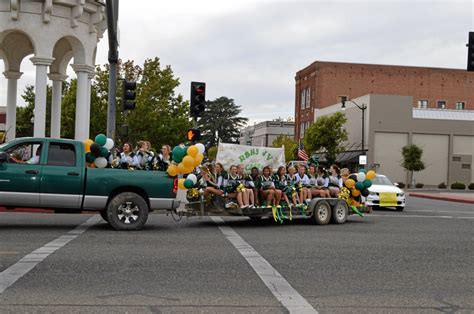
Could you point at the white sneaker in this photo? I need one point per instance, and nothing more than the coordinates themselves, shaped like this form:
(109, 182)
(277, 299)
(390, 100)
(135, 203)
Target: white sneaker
(308, 201)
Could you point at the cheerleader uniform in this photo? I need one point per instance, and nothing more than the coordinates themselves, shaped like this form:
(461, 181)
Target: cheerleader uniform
(265, 183)
(230, 183)
(126, 160)
(335, 181)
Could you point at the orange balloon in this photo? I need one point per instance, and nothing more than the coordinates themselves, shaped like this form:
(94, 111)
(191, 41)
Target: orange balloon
(350, 183)
(173, 170)
(87, 145)
(181, 184)
(92, 165)
(188, 161)
(193, 151)
(198, 159)
(188, 170)
(370, 175)
(181, 168)
(355, 192)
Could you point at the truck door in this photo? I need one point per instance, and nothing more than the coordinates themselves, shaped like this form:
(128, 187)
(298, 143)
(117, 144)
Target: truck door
(62, 177)
(20, 175)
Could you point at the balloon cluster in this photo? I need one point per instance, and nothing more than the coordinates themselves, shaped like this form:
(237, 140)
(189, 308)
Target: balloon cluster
(98, 150)
(185, 159)
(357, 185)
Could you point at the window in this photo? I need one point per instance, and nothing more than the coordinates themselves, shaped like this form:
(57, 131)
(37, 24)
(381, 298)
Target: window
(441, 104)
(465, 166)
(303, 99)
(301, 129)
(308, 98)
(306, 127)
(25, 153)
(423, 103)
(458, 159)
(460, 105)
(61, 154)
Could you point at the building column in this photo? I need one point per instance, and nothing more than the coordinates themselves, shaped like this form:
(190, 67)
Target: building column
(57, 79)
(12, 77)
(41, 65)
(81, 128)
(88, 107)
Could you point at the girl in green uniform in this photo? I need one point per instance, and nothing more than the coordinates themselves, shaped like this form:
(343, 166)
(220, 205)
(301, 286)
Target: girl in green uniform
(282, 185)
(266, 186)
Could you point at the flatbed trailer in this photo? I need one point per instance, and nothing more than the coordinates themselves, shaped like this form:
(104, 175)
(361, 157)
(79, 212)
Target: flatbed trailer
(320, 210)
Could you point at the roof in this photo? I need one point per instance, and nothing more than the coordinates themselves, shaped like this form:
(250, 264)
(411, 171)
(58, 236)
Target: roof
(443, 114)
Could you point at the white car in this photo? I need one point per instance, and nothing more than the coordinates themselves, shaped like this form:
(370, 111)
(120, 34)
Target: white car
(383, 193)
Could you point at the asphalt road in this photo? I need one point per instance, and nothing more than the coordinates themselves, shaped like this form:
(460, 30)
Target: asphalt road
(417, 261)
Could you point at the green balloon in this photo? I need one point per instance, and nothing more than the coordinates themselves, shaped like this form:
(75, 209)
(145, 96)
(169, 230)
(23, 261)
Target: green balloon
(362, 170)
(101, 139)
(367, 183)
(359, 186)
(178, 153)
(104, 152)
(188, 183)
(90, 157)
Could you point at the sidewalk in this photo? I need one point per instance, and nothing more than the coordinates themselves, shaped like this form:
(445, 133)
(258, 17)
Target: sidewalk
(462, 197)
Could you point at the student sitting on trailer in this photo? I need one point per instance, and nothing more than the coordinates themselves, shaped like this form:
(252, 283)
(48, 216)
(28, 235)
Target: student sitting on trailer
(302, 181)
(233, 188)
(212, 182)
(316, 183)
(266, 186)
(248, 183)
(281, 184)
(335, 181)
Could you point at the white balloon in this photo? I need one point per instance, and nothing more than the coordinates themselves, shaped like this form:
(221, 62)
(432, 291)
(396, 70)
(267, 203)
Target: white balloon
(109, 144)
(100, 162)
(192, 177)
(360, 177)
(201, 148)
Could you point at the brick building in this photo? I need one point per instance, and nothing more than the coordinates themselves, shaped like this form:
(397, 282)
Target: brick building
(3, 118)
(322, 84)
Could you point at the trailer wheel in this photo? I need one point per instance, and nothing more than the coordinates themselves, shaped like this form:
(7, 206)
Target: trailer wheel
(127, 211)
(321, 213)
(103, 214)
(340, 212)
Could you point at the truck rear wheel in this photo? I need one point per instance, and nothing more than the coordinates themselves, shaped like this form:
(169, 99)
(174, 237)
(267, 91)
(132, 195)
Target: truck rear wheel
(103, 214)
(321, 213)
(127, 211)
(340, 212)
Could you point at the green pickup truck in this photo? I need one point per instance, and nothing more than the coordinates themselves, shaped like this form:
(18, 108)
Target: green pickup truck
(51, 173)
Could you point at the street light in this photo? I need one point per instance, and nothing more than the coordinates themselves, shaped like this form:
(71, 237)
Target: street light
(362, 108)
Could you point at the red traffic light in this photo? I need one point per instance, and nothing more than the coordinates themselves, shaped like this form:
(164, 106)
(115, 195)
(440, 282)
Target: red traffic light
(193, 135)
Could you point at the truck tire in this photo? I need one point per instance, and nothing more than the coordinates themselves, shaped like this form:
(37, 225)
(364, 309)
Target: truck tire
(103, 214)
(127, 211)
(340, 212)
(321, 213)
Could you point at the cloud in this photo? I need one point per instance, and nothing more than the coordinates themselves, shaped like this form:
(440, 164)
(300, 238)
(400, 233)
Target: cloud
(251, 50)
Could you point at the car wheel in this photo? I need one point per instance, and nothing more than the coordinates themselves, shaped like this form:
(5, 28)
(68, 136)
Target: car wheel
(375, 207)
(400, 208)
(127, 211)
(340, 212)
(321, 213)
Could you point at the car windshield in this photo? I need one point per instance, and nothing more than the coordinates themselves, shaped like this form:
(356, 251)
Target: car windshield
(381, 181)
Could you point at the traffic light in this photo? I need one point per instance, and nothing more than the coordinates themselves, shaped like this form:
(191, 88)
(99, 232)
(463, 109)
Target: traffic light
(193, 135)
(198, 98)
(470, 52)
(129, 94)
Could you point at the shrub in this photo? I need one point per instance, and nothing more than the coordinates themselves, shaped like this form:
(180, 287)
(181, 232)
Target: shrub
(471, 186)
(442, 185)
(419, 185)
(401, 185)
(458, 186)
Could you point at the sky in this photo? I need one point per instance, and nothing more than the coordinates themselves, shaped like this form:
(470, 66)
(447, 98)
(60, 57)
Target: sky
(250, 51)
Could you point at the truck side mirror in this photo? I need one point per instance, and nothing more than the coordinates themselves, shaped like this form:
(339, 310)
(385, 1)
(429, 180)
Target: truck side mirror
(3, 157)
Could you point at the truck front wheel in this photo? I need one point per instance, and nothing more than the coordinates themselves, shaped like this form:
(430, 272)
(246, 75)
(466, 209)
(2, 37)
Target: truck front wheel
(127, 211)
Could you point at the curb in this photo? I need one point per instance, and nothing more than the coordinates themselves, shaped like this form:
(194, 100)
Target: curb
(443, 198)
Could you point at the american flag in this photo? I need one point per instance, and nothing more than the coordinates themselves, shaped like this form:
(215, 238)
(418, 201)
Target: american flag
(301, 152)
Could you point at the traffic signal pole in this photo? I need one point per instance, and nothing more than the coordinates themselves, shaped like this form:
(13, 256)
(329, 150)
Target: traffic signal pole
(112, 16)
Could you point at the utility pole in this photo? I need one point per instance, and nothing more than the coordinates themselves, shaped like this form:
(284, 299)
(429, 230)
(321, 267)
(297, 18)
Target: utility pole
(112, 17)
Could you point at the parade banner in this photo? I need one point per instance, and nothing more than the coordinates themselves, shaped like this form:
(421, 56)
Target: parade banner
(250, 156)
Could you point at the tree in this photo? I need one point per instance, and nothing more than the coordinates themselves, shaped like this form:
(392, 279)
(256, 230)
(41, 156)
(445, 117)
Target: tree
(412, 160)
(24, 115)
(291, 147)
(327, 134)
(221, 121)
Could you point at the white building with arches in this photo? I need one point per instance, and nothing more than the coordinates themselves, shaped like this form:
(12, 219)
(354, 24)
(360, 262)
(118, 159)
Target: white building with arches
(52, 33)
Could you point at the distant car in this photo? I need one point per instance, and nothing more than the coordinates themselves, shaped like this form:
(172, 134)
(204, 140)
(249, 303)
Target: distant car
(383, 193)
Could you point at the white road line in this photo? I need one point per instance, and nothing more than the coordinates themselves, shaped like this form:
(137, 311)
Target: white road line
(10, 275)
(281, 289)
(418, 216)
